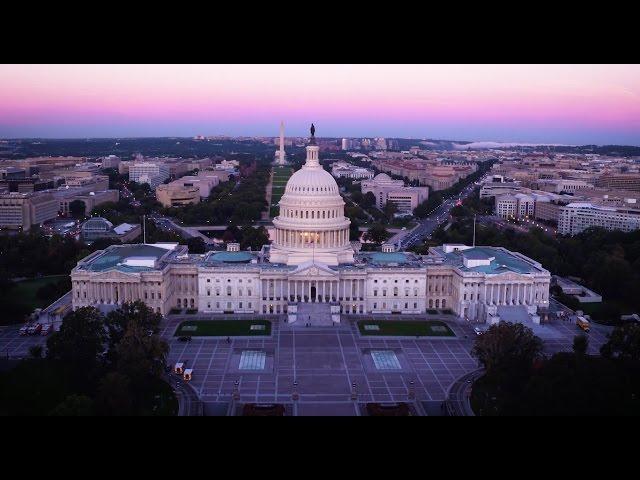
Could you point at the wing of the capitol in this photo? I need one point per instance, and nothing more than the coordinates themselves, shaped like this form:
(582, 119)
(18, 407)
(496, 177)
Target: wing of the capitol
(312, 272)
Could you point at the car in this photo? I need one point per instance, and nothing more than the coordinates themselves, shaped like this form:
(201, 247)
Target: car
(46, 329)
(34, 329)
(477, 330)
(24, 330)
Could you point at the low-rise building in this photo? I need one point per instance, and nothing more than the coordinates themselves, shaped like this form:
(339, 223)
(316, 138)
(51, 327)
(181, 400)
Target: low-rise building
(20, 211)
(346, 170)
(146, 172)
(578, 216)
(386, 190)
(506, 206)
(622, 181)
(98, 228)
(177, 195)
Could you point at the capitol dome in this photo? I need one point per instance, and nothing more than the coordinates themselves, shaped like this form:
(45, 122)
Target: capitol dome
(312, 182)
(311, 224)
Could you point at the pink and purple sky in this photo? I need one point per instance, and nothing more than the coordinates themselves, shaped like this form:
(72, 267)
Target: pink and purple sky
(573, 104)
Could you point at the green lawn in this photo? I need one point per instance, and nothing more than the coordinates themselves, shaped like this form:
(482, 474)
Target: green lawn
(280, 177)
(26, 290)
(222, 328)
(408, 328)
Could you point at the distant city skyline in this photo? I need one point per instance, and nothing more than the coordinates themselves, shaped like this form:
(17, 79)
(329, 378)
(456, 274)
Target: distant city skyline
(549, 104)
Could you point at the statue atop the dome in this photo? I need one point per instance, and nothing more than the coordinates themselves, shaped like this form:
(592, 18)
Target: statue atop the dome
(313, 130)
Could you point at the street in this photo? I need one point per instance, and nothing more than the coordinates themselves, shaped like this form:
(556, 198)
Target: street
(436, 217)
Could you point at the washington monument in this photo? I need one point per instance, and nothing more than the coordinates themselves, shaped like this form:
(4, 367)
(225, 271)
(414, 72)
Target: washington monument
(281, 155)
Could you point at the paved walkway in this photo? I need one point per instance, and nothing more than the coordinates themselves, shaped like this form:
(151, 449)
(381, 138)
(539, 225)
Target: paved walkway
(266, 214)
(325, 362)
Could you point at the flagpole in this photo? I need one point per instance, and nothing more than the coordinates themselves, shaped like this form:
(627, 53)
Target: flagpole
(474, 230)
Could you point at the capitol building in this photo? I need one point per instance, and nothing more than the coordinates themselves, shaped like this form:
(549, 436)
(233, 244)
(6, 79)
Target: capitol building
(312, 273)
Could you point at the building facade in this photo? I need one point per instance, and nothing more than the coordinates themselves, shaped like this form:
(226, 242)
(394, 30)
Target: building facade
(20, 211)
(147, 172)
(578, 216)
(177, 195)
(386, 190)
(312, 273)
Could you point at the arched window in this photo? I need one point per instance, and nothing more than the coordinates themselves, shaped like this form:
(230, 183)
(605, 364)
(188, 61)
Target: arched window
(248, 292)
(229, 291)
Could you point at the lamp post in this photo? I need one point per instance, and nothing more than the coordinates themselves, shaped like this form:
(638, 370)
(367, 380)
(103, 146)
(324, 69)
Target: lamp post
(354, 393)
(295, 395)
(236, 392)
(412, 392)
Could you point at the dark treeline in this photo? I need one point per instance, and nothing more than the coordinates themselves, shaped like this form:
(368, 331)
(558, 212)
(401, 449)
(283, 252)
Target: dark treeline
(95, 365)
(519, 380)
(236, 202)
(127, 147)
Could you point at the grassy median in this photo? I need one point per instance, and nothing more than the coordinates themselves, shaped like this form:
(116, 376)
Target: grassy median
(223, 328)
(406, 328)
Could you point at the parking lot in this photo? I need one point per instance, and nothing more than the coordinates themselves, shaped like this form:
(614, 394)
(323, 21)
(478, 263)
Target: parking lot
(15, 346)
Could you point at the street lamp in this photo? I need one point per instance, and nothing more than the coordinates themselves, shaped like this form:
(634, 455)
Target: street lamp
(295, 395)
(236, 392)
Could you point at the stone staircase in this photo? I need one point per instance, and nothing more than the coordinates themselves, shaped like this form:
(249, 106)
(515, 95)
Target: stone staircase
(316, 314)
(514, 314)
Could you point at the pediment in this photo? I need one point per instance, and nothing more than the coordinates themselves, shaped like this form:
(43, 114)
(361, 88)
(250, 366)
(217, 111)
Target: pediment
(313, 269)
(115, 275)
(510, 277)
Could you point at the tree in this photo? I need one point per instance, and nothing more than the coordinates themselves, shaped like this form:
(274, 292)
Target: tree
(113, 396)
(377, 233)
(77, 209)
(74, 406)
(131, 314)
(229, 235)
(507, 350)
(623, 343)
(389, 210)
(140, 355)
(79, 342)
(135, 349)
(36, 351)
(196, 245)
(368, 200)
(580, 344)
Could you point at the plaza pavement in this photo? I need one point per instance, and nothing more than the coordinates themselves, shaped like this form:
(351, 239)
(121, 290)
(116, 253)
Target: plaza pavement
(326, 362)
